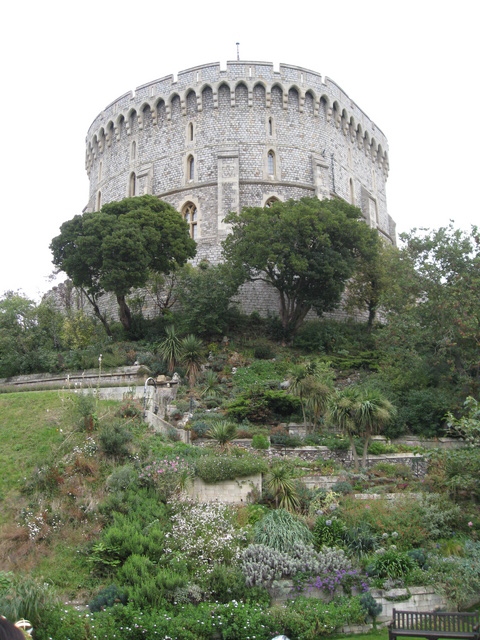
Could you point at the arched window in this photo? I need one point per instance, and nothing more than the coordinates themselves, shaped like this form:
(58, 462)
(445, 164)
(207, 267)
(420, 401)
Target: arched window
(270, 126)
(190, 215)
(190, 132)
(352, 192)
(100, 171)
(133, 153)
(99, 200)
(271, 164)
(132, 186)
(270, 202)
(191, 168)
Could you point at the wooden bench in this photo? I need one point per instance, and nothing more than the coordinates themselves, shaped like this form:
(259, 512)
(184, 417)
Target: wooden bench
(434, 625)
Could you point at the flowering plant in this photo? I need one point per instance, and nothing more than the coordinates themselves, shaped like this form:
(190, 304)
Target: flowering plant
(167, 476)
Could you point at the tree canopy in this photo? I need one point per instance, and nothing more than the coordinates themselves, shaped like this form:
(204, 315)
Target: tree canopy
(433, 309)
(119, 247)
(305, 249)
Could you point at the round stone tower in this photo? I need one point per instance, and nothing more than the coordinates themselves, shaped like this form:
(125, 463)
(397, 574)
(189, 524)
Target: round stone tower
(216, 140)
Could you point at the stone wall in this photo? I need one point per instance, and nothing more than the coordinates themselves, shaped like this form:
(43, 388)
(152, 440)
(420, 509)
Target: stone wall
(415, 461)
(229, 491)
(411, 599)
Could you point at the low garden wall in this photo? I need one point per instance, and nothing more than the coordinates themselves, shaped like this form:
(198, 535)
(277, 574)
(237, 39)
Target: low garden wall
(89, 378)
(229, 491)
(415, 461)
(319, 482)
(408, 599)
(411, 599)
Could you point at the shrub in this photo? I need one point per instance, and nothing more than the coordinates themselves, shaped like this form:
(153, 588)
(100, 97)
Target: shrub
(393, 470)
(280, 436)
(343, 487)
(390, 564)
(225, 584)
(418, 556)
(260, 441)
(361, 540)
(403, 517)
(204, 534)
(167, 476)
(148, 585)
(122, 478)
(114, 440)
(107, 597)
(441, 515)
(263, 351)
(309, 618)
(458, 578)
(368, 602)
(216, 468)
(376, 448)
(281, 530)
(130, 408)
(263, 405)
(328, 532)
(84, 410)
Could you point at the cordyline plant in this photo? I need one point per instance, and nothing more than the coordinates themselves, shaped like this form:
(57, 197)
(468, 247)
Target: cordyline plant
(223, 432)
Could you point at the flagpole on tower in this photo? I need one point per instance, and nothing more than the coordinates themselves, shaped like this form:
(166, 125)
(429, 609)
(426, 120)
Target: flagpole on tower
(238, 51)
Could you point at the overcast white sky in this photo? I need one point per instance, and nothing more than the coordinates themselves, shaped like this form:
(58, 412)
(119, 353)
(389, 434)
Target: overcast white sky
(412, 66)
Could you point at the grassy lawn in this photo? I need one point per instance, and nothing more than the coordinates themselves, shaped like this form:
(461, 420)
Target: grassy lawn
(35, 429)
(375, 634)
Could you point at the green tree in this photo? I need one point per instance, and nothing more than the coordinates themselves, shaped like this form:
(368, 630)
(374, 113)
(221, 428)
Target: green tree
(305, 249)
(342, 411)
(373, 412)
(280, 482)
(360, 413)
(312, 383)
(30, 335)
(371, 278)
(118, 248)
(468, 425)
(205, 294)
(430, 340)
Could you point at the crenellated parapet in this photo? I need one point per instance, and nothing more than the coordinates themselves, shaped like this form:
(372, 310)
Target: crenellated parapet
(199, 88)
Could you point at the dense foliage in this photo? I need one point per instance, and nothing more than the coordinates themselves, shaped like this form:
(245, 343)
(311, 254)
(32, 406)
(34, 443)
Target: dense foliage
(118, 247)
(305, 249)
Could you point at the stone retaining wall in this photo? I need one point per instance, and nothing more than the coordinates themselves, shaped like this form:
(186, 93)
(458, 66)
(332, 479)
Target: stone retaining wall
(229, 491)
(408, 599)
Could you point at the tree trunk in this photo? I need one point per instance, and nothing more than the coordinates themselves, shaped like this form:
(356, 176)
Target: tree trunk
(354, 452)
(124, 313)
(97, 312)
(372, 312)
(365, 450)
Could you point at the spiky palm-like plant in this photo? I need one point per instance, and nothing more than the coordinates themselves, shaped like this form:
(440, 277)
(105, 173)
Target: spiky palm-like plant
(342, 408)
(373, 412)
(223, 432)
(280, 483)
(191, 356)
(169, 348)
(210, 384)
(312, 383)
(360, 412)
